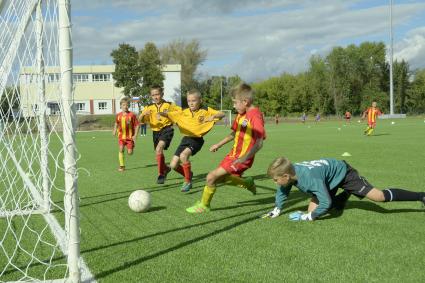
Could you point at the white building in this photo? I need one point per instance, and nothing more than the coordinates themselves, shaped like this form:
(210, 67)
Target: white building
(94, 90)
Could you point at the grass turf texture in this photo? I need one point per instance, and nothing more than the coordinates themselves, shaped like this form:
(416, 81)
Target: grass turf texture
(368, 242)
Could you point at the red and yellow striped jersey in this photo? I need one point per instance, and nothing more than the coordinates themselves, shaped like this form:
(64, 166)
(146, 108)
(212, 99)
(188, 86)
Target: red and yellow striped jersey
(155, 123)
(372, 114)
(248, 128)
(126, 124)
(191, 123)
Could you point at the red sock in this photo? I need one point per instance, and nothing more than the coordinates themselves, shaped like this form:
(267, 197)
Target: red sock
(186, 169)
(179, 169)
(160, 160)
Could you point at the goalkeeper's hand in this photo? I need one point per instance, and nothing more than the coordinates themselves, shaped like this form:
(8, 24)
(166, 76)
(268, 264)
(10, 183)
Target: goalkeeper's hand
(300, 216)
(272, 214)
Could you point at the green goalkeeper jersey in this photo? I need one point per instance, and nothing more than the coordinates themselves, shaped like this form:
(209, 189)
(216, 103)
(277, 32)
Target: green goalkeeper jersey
(317, 177)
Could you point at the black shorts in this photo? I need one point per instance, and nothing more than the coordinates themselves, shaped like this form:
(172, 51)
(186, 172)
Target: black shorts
(354, 183)
(193, 143)
(165, 134)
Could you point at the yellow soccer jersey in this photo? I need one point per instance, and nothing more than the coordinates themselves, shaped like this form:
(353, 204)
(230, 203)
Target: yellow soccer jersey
(155, 123)
(192, 123)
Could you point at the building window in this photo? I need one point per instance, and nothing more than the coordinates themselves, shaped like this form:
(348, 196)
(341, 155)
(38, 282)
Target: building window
(53, 78)
(81, 106)
(103, 105)
(54, 108)
(80, 77)
(101, 77)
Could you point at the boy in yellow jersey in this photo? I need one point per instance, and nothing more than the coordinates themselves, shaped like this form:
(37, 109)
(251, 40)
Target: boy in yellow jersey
(194, 122)
(126, 125)
(247, 135)
(162, 128)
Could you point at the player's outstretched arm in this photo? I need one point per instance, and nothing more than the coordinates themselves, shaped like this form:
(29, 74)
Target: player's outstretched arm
(227, 139)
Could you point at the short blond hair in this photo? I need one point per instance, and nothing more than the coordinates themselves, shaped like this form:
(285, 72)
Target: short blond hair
(194, 92)
(243, 91)
(281, 166)
(125, 99)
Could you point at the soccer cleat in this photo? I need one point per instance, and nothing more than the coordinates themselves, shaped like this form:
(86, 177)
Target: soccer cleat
(161, 179)
(199, 207)
(250, 185)
(186, 187)
(121, 169)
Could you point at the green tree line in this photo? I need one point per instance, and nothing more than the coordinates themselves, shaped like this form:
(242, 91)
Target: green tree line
(347, 79)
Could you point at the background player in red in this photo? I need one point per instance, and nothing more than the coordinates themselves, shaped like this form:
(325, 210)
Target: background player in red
(347, 117)
(247, 135)
(126, 125)
(372, 114)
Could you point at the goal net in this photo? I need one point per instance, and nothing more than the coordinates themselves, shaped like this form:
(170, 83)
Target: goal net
(227, 119)
(39, 217)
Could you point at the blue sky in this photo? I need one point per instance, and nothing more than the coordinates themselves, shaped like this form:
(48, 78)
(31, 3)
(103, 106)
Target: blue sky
(255, 39)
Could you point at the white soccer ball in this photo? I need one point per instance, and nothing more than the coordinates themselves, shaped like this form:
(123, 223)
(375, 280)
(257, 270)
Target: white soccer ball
(139, 201)
(392, 123)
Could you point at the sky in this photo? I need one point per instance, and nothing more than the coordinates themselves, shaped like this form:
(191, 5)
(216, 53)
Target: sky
(255, 39)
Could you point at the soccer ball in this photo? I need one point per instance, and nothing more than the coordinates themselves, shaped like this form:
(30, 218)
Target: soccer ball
(139, 201)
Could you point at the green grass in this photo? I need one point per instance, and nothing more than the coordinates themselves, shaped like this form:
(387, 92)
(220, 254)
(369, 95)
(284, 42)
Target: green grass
(369, 242)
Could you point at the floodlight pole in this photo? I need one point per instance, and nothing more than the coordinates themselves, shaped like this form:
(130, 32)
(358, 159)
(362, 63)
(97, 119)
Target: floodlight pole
(391, 60)
(221, 93)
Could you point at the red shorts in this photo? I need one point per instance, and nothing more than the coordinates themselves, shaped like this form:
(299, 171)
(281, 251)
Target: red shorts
(235, 169)
(129, 143)
(371, 124)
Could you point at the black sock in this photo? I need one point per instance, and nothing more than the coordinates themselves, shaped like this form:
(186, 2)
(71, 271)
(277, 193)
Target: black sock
(401, 195)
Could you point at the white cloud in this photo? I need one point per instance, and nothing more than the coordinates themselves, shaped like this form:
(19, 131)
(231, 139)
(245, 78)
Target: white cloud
(412, 48)
(262, 38)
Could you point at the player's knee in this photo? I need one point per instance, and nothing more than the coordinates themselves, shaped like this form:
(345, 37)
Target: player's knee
(211, 178)
(376, 195)
(130, 152)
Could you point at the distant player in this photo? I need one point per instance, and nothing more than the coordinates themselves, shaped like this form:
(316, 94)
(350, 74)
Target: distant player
(317, 119)
(276, 119)
(162, 128)
(126, 125)
(321, 179)
(347, 117)
(372, 114)
(303, 118)
(194, 122)
(143, 125)
(247, 135)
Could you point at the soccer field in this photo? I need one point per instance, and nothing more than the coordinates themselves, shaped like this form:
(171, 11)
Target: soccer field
(369, 242)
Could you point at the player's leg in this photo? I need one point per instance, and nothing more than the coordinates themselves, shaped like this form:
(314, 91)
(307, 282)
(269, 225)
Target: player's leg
(163, 169)
(393, 194)
(130, 146)
(121, 156)
(187, 169)
(235, 171)
(176, 162)
(213, 178)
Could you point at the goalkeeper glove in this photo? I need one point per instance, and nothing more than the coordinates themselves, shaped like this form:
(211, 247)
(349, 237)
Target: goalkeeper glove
(300, 216)
(272, 214)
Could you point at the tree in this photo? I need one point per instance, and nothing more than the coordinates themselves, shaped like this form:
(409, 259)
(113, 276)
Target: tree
(150, 65)
(127, 69)
(189, 55)
(416, 93)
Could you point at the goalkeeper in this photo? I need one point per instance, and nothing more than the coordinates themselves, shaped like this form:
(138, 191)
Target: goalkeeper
(322, 178)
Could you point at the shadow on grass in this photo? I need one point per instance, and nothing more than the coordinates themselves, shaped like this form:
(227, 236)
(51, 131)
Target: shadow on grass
(378, 135)
(191, 241)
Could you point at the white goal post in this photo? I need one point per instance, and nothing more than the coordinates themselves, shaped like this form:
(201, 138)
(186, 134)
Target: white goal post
(38, 155)
(227, 120)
